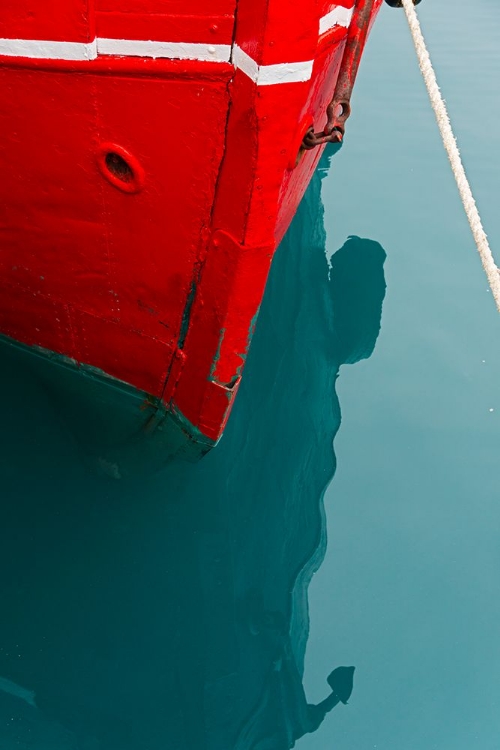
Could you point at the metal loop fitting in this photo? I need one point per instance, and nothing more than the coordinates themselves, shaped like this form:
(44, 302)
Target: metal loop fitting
(337, 112)
(339, 108)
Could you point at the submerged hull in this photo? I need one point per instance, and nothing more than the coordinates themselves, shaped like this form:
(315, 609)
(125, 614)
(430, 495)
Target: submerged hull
(152, 163)
(170, 612)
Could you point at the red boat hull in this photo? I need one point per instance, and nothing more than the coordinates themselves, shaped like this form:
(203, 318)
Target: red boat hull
(151, 163)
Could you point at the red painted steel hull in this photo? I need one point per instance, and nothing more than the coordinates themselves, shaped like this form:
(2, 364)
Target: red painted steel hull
(154, 275)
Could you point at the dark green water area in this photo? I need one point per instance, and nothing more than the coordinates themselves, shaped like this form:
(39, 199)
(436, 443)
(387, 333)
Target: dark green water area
(206, 606)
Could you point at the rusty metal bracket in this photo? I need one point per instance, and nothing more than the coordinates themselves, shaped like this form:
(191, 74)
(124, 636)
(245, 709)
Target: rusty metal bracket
(339, 108)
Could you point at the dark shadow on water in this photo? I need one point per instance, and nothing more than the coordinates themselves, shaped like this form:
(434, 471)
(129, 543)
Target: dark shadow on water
(172, 611)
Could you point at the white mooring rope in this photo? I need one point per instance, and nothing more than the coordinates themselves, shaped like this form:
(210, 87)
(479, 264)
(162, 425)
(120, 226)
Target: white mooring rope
(450, 144)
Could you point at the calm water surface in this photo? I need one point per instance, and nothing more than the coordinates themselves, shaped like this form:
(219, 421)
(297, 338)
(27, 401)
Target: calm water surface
(204, 607)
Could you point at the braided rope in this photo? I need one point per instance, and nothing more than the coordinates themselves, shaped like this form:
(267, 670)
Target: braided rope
(450, 144)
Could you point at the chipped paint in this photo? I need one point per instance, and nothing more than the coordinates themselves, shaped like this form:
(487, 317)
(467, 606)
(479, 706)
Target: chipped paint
(216, 358)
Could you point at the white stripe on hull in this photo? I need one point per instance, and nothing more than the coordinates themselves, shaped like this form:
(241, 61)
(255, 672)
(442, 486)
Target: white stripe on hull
(262, 75)
(48, 50)
(269, 75)
(338, 16)
(167, 50)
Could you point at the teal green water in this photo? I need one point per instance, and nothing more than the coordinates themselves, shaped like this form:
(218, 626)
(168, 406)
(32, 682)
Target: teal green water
(204, 607)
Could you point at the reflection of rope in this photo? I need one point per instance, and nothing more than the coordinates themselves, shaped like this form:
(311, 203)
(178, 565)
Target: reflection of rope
(450, 144)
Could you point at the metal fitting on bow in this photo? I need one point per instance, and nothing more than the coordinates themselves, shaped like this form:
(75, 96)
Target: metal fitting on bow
(339, 108)
(398, 3)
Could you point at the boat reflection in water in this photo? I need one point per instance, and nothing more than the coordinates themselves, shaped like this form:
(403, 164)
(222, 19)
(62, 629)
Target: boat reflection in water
(171, 611)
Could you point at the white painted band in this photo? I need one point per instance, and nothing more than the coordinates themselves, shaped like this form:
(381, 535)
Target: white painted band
(269, 75)
(261, 75)
(285, 73)
(338, 16)
(245, 63)
(169, 50)
(45, 50)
